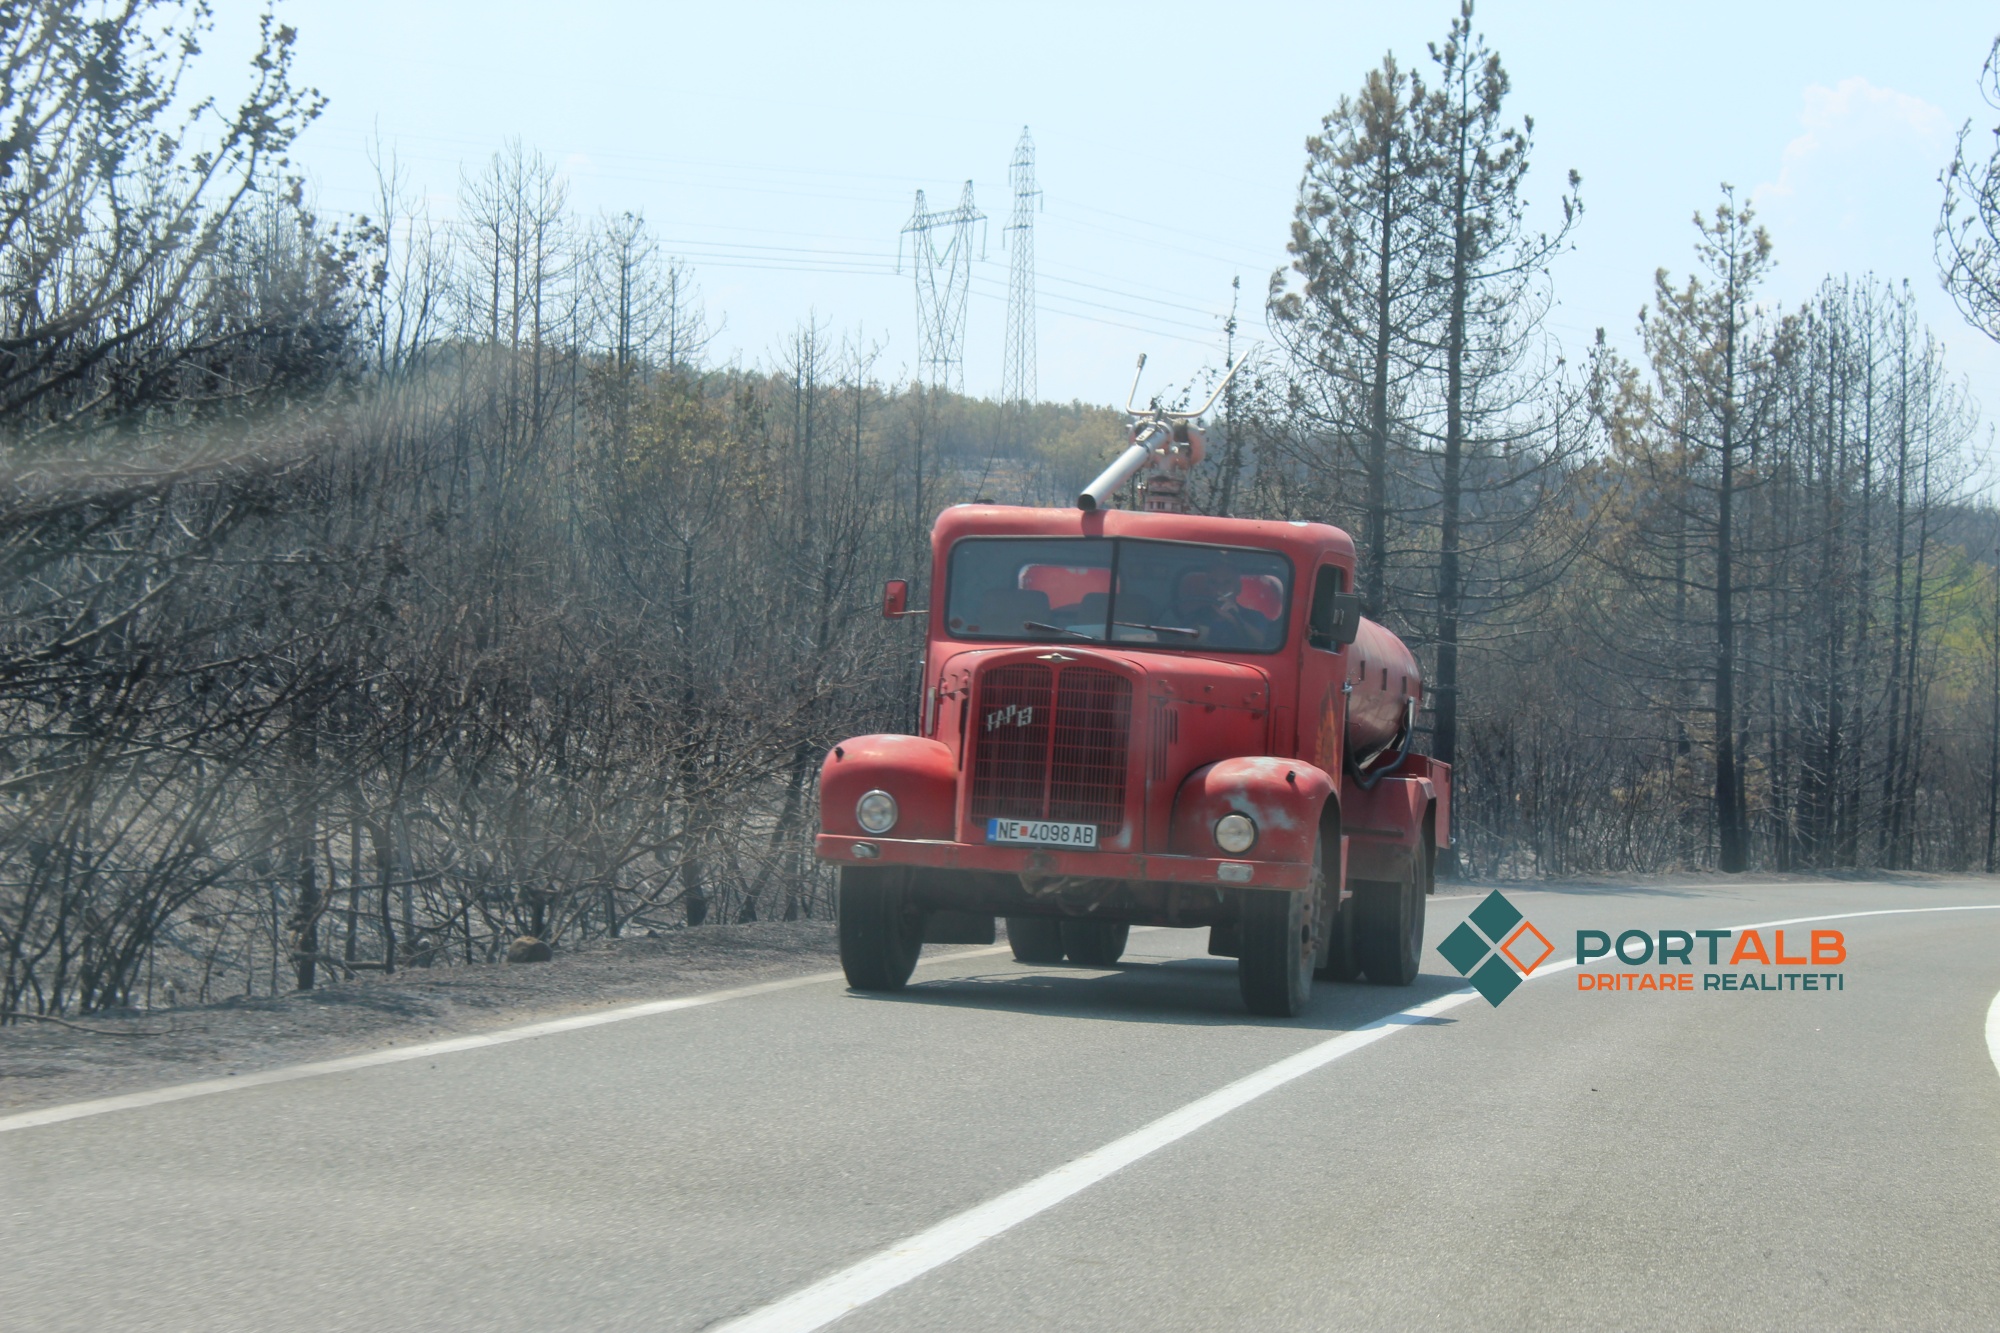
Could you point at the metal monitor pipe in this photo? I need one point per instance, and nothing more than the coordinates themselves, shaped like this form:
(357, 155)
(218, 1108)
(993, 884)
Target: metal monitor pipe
(1152, 437)
(1137, 455)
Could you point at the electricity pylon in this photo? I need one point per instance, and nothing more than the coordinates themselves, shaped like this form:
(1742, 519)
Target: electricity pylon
(944, 282)
(1017, 374)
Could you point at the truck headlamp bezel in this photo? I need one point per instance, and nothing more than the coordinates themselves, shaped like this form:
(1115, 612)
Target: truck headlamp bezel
(876, 811)
(1236, 833)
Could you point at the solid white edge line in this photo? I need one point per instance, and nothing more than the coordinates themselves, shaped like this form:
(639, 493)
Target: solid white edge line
(832, 1297)
(1993, 1033)
(827, 1300)
(180, 1092)
(1880, 911)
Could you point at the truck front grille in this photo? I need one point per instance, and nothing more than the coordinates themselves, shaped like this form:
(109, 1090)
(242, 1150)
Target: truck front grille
(1051, 744)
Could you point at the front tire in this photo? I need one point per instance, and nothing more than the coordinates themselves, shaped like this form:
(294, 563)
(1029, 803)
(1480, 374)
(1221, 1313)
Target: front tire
(881, 930)
(1095, 943)
(1279, 947)
(1035, 939)
(1389, 928)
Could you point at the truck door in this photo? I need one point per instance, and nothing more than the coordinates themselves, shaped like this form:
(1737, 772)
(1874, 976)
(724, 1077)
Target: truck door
(1323, 669)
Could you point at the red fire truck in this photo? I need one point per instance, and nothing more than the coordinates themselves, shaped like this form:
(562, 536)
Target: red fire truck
(1143, 716)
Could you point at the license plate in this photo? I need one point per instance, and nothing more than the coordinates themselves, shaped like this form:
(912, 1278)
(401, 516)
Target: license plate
(1041, 833)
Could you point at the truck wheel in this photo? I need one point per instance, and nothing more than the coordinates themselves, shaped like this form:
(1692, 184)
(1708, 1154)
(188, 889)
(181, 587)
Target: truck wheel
(1275, 968)
(1095, 943)
(1035, 939)
(1336, 947)
(1389, 928)
(881, 930)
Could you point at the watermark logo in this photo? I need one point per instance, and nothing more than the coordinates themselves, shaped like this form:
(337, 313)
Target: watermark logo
(1496, 948)
(1635, 950)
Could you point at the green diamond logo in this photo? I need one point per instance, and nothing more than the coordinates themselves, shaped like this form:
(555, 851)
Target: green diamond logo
(1495, 917)
(1463, 948)
(1496, 981)
(1471, 951)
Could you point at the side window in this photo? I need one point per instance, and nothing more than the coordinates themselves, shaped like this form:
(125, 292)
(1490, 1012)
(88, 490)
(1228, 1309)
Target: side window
(1336, 613)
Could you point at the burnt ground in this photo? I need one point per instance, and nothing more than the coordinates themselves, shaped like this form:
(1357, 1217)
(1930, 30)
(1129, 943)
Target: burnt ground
(44, 1063)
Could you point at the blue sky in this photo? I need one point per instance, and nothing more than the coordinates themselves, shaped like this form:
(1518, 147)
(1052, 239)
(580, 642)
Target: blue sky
(776, 147)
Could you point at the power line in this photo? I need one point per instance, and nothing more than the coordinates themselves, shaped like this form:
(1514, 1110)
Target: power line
(1207, 311)
(1256, 254)
(1151, 319)
(1153, 241)
(1150, 328)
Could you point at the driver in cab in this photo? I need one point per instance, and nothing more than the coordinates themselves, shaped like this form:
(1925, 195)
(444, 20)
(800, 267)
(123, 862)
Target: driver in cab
(1209, 602)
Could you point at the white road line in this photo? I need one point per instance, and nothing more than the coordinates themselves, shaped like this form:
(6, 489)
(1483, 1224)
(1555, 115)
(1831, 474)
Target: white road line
(826, 1301)
(841, 1293)
(180, 1092)
(1582, 890)
(1880, 911)
(1993, 1033)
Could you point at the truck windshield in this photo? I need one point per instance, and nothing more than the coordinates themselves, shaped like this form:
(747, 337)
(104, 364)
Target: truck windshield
(1118, 590)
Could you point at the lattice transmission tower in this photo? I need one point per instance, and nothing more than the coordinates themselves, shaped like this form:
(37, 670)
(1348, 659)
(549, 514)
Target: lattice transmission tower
(1017, 373)
(944, 283)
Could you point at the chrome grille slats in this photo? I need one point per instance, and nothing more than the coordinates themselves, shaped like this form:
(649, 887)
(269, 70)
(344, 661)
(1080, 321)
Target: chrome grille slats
(1051, 743)
(1087, 769)
(1010, 772)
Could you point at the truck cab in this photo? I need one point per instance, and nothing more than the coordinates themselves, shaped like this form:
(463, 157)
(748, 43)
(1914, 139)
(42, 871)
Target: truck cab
(1143, 718)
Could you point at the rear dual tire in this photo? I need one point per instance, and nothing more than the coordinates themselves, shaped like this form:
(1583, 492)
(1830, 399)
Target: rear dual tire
(1095, 943)
(1389, 928)
(1339, 962)
(1035, 939)
(1044, 940)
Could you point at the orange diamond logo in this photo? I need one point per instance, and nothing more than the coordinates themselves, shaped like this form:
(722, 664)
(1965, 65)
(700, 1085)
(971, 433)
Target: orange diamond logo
(1527, 928)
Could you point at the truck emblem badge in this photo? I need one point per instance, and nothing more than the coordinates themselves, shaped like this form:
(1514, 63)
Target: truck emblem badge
(1013, 715)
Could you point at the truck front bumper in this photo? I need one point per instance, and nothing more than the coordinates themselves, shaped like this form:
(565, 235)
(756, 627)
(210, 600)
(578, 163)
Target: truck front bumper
(1051, 862)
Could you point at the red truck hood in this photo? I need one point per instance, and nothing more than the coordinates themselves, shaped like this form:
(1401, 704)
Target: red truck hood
(1183, 676)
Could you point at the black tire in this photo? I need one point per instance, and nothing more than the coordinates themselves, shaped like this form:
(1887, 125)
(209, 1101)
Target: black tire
(1389, 928)
(1035, 939)
(1336, 950)
(1279, 948)
(881, 929)
(1095, 943)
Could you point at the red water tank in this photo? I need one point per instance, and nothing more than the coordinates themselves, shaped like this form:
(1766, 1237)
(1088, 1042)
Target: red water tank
(1385, 679)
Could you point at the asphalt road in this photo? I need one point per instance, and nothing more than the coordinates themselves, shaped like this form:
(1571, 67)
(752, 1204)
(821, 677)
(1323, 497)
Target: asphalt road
(1159, 1160)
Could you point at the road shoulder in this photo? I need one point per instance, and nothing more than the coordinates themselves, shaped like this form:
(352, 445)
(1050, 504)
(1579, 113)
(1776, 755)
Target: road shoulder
(105, 1054)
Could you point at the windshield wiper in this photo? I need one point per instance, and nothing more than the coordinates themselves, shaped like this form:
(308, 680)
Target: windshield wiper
(1161, 629)
(1060, 629)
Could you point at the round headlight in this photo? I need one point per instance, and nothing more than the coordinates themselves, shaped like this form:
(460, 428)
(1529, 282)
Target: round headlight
(1234, 834)
(876, 811)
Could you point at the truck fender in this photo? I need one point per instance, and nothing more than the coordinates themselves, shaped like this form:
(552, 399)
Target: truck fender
(917, 771)
(1436, 781)
(1284, 796)
(1385, 826)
